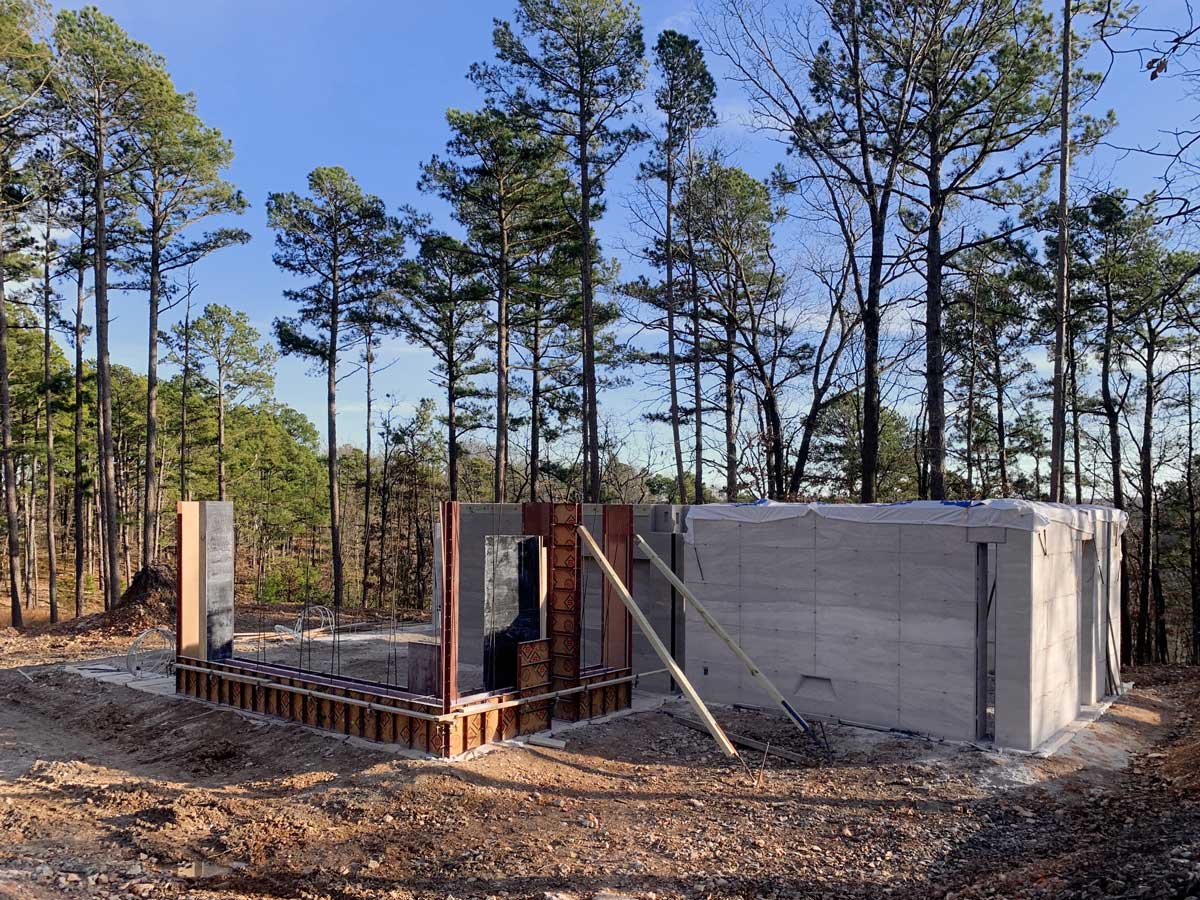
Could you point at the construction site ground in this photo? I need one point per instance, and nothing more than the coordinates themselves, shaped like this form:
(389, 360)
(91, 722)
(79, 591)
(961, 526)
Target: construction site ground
(111, 792)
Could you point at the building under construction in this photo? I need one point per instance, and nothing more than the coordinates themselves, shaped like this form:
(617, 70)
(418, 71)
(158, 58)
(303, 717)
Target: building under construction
(992, 621)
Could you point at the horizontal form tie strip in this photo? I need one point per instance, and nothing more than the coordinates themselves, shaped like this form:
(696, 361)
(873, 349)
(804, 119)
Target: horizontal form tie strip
(443, 717)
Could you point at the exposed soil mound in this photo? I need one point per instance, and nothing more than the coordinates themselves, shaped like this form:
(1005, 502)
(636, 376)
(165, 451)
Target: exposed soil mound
(148, 601)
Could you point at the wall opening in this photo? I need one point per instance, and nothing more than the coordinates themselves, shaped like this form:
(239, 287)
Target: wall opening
(1088, 642)
(985, 642)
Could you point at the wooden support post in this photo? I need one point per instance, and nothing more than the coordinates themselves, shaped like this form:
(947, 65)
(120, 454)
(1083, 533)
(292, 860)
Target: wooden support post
(663, 653)
(794, 717)
(616, 626)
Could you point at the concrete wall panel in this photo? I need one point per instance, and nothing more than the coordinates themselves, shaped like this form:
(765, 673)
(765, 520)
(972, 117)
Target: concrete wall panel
(938, 620)
(870, 704)
(837, 534)
(943, 669)
(932, 711)
(853, 621)
(763, 565)
(862, 660)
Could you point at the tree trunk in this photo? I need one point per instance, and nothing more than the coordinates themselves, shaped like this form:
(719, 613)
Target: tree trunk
(500, 476)
(1001, 430)
(935, 379)
(1058, 424)
(535, 404)
(591, 455)
(108, 472)
(31, 568)
(221, 432)
(385, 490)
(669, 261)
(451, 434)
(1076, 449)
(99, 538)
(973, 371)
(158, 498)
(1112, 415)
(183, 399)
(774, 440)
(366, 560)
(1161, 653)
(871, 317)
(81, 529)
(807, 429)
(1193, 524)
(731, 473)
(123, 498)
(335, 532)
(11, 515)
(48, 395)
(1147, 486)
(697, 385)
(150, 479)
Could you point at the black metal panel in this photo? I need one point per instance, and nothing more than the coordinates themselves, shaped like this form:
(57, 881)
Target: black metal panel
(511, 610)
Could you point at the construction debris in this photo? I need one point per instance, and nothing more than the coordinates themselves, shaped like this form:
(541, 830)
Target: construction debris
(743, 741)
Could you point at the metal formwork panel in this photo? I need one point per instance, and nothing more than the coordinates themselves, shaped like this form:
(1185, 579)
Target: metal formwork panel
(616, 623)
(563, 617)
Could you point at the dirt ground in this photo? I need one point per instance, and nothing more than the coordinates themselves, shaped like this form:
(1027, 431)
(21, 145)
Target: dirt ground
(110, 792)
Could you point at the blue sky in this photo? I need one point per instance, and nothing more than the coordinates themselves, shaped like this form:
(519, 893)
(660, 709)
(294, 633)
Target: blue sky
(365, 85)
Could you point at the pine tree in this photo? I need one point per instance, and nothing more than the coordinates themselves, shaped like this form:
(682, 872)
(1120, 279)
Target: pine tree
(104, 83)
(445, 312)
(24, 65)
(341, 241)
(230, 356)
(987, 94)
(507, 185)
(177, 183)
(685, 98)
(576, 67)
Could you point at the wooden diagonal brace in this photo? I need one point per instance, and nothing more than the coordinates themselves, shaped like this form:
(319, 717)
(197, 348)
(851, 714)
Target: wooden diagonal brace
(794, 717)
(663, 654)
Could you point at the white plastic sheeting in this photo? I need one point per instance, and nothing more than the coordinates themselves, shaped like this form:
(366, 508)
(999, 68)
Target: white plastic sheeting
(1025, 515)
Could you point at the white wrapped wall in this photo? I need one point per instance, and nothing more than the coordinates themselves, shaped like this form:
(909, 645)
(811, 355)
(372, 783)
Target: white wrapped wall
(875, 621)
(1054, 684)
(867, 622)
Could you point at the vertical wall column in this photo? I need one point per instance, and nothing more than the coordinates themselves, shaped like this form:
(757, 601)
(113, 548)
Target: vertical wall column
(564, 614)
(616, 625)
(448, 682)
(190, 630)
(450, 733)
(204, 580)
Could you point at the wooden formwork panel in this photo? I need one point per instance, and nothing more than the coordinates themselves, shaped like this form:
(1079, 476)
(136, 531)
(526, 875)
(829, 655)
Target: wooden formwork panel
(564, 613)
(600, 701)
(222, 683)
(273, 700)
(533, 679)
